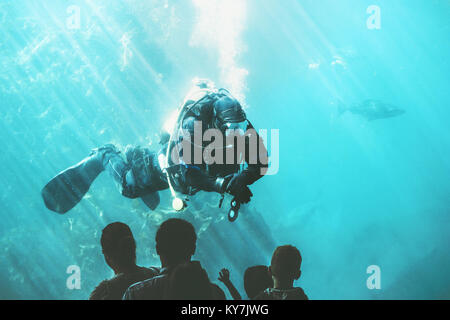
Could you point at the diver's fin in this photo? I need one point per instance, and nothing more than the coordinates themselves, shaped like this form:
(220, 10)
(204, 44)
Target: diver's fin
(151, 200)
(65, 190)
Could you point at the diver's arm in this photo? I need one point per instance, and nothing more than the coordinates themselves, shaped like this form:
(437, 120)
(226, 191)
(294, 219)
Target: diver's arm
(197, 178)
(255, 171)
(256, 168)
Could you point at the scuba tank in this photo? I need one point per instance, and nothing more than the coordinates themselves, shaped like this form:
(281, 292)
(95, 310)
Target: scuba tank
(178, 204)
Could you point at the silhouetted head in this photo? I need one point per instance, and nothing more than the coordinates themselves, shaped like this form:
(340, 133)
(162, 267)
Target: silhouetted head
(256, 280)
(118, 246)
(175, 242)
(286, 263)
(189, 281)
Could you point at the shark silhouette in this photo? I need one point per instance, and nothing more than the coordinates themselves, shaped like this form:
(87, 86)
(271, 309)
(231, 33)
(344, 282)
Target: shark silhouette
(372, 110)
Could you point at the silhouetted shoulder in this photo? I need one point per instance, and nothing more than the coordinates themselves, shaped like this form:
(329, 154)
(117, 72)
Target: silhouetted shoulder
(100, 292)
(288, 294)
(115, 288)
(150, 289)
(217, 292)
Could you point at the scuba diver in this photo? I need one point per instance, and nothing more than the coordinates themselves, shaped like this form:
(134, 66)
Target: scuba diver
(141, 173)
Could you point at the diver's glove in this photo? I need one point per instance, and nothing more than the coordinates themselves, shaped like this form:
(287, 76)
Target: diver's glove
(237, 186)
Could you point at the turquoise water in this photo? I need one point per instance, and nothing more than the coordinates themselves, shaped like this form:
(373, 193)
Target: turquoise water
(350, 193)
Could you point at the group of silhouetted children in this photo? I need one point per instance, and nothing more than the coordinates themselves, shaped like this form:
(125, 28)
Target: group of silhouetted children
(180, 278)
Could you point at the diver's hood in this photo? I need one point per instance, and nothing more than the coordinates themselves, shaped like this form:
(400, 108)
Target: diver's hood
(228, 111)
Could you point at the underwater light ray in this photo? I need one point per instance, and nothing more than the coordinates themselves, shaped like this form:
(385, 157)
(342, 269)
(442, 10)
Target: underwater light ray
(383, 184)
(331, 48)
(358, 89)
(219, 25)
(301, 39)
(113, 29)
(236, 257)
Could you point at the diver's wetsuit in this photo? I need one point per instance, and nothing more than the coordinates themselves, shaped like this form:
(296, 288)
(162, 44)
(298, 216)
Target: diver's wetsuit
(140, 172)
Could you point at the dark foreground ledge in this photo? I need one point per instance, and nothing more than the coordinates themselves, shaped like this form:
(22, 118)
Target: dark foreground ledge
(216, 309)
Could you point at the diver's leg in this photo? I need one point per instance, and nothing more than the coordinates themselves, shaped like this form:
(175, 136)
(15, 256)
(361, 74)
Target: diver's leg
(65, 190)
(139, 176)
(129, 174)
(116, 166)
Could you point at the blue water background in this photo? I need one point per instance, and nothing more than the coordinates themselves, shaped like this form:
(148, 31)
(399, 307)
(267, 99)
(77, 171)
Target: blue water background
(349, 193)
